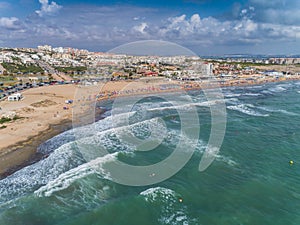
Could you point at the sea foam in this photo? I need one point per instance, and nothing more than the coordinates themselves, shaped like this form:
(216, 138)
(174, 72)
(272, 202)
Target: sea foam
(171, 210)
(246, 109)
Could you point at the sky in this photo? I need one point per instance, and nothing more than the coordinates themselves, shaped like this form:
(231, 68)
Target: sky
(206, 27)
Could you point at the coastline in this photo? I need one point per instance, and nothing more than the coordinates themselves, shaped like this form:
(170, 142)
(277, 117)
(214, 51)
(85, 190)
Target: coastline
(24, 152)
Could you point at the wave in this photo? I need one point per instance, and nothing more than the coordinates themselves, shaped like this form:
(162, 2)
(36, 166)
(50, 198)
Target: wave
(277, 89)
(64, 180)
(286, 85)
(225, 159)
(113, 122)
(266, 92)
(201, 147)
(166, 201)
(246, 109)
(252, 94)
(233, 101)
(254, 87)
(231, 95)
(190, 105)
(125, 138)
(82, 132)
(34, 176)
(277, 110)
(158, 193)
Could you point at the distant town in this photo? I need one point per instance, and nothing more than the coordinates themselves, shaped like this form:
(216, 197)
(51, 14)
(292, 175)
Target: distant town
(21, 68)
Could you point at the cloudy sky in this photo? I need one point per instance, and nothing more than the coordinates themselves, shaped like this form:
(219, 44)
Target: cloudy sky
(207, 27)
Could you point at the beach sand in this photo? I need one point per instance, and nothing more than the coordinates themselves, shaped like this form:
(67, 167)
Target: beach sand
(41, 112)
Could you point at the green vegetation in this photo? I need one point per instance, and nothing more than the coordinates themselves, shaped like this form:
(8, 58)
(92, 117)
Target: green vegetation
(3, 127)
(71, 69)
(9, 50)
(17, 51)
(17, 117)
(15, 68)
(6, 119)
(16, 59)
(6, 78)
(248, 64)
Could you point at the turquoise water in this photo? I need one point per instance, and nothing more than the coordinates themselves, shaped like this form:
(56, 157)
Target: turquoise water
(250, 182)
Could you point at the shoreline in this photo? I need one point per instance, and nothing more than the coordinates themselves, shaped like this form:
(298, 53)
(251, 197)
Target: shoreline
(24, 153)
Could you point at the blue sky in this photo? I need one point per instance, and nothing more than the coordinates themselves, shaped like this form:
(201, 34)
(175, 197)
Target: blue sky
(207, 27)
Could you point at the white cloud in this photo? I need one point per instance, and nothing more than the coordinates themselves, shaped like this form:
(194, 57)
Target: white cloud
(181, 26)
(48, 8)
(210, 31)
(276, 11)
(195, 19)
(9, 22)
(247, 13)
(141, 28)
(104, 27)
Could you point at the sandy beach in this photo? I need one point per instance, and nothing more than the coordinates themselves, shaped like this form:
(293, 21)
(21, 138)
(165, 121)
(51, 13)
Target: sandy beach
(44, 113)
(39, 111)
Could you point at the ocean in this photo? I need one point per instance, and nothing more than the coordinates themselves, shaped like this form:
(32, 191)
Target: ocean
(250, 181)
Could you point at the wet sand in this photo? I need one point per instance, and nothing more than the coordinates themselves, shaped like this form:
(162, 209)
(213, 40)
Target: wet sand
(25, 152)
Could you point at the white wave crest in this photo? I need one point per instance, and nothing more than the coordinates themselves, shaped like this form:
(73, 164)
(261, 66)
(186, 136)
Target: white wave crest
(172, 211)
(277, 89)
(152, 194)
(277, 110)
(186, 106)
(252, 94)
(231, 95)
(32, 177)
(64, 180)
(232, 101)
(246, 109)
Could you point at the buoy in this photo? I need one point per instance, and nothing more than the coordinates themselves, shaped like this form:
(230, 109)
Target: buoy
(180, 200)
(291, 162)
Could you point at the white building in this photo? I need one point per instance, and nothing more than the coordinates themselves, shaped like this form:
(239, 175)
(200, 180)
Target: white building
(2, 69)
(45, 48)
(207, 69)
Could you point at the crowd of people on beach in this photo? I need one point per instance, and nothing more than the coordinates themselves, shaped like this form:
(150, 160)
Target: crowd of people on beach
(170, 87)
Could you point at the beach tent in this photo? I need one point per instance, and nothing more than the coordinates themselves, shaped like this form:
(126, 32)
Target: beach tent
(15, 97)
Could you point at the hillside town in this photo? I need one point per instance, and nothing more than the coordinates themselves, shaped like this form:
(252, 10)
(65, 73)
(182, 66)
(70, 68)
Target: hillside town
(22, 68)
